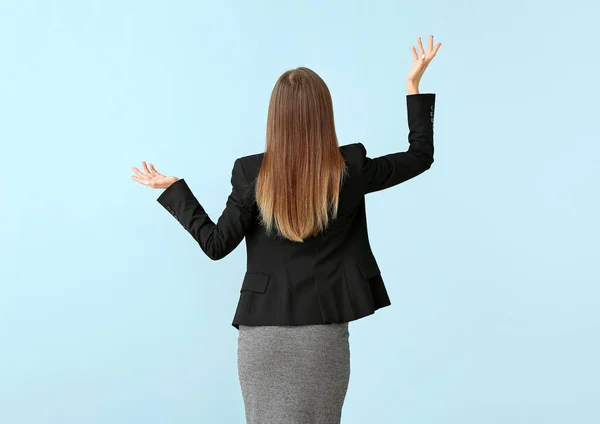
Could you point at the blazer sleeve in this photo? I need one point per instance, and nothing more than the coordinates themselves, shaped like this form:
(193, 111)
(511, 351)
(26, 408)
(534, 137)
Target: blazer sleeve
(387, 171)
(216, 240)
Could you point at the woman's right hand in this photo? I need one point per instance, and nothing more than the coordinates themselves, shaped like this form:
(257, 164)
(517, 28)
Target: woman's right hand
(151, 177)
(421, 61)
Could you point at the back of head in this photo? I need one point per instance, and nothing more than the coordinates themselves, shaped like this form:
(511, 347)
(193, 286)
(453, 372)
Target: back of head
(298, 185)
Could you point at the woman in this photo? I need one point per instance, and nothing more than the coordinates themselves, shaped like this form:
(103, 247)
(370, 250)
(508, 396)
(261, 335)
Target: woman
(310, 269)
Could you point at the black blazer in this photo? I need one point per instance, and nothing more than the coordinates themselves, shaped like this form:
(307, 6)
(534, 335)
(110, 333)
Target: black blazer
(332, 278)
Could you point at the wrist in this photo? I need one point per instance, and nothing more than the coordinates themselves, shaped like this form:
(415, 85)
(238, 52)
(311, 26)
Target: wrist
(173, 181)
(412, 87)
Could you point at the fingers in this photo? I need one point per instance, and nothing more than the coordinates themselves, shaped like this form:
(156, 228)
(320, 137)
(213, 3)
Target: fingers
(431, 51)
(151, 177)
(421, 50)
(140, 174)
(146, 168)
(153, 170)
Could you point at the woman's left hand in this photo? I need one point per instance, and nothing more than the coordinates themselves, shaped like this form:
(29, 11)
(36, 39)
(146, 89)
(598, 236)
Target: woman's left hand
(151, 177)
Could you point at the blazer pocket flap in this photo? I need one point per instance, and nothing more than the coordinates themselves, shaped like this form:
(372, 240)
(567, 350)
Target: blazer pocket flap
(369, 268)
(256, 283)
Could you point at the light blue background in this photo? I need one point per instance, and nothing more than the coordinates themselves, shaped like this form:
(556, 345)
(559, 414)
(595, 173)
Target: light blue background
(109, 312)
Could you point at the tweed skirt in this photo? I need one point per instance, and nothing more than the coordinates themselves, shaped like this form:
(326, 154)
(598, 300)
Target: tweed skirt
(294, 374)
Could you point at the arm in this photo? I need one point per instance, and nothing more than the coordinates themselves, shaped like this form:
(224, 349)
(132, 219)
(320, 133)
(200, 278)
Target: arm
(392, 169)
(387, 171)
(216, 240)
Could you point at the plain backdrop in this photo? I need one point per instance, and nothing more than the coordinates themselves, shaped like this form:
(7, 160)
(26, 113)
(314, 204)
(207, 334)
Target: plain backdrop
(111, 314)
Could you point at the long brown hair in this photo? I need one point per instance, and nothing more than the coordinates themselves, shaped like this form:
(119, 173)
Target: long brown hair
(298, 186)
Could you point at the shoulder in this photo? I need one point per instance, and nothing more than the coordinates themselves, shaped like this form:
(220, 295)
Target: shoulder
(354, 154)
(248, 166)
(353, 150)
(251, 160)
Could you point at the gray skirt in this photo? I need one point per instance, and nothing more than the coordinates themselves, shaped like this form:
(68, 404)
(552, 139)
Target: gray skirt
(294, 374)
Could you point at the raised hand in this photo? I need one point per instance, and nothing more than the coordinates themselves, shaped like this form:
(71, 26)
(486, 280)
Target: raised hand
(151, 177)
(421, 61)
